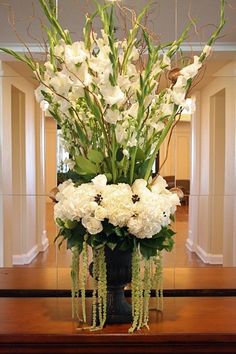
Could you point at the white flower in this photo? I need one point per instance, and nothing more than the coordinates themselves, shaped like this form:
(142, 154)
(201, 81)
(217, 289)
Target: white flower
(112, 94)
(44, 105)
(133, 110)
(112, 116)
(121, 134)
(141, 210)
(180, 83)
(159, 126)
(59, 49)
(139, 187)
(70, 163)
(126, 153)
(166, 61)
(93, 225)
(191, 70)
(38, 92)
(178, 96)
(99, 182)
(61, 83)
(117, 200)
(132, 139)
(207, 50)
(134, 54)
(75, 53)
(167, 109)
(159, 185)
(100, 213)
(49, 67)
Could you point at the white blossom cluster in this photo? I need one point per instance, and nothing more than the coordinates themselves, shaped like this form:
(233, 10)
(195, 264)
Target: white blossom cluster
(80, 69)
(142, 210)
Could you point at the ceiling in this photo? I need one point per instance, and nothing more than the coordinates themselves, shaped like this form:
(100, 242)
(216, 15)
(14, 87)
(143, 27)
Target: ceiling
(166, 19)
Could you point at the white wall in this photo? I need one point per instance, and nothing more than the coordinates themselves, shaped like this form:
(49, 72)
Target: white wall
(212, 202)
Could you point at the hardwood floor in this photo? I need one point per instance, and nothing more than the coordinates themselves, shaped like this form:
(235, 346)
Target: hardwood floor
(179, 257)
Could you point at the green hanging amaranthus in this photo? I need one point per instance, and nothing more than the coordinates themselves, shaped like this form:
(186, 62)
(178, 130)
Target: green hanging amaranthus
(141, 287)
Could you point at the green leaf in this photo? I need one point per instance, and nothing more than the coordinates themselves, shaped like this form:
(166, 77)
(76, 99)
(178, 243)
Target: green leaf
(147, 252)
(98, 241)
(143, 168)
(79, 230)
(75, 242)
(111, 245)
(119, 154)
(69, 224)
(95, 156)
(118, 231)
(85, 165)
(140, 156)
(108, 176)
(126, 244)
(59, 222)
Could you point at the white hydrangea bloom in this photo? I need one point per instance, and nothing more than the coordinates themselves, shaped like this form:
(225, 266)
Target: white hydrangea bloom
(159, 185)
(93, 225)
(142, 210)
(99, 182)
(117, 200)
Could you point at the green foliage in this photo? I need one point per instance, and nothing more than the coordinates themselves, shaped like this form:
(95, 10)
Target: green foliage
(95, 156)
(115, 237)
(85, 166)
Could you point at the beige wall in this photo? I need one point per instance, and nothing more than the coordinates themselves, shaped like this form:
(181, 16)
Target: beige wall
(20, 244)
(178, 160)
(212, 231)
(50, 155)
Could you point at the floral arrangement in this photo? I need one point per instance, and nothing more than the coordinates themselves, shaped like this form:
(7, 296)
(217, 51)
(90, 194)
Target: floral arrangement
(104, 94)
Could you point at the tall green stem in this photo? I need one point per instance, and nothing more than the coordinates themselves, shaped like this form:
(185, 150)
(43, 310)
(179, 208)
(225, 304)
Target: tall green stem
(162, 137)
(113, 157)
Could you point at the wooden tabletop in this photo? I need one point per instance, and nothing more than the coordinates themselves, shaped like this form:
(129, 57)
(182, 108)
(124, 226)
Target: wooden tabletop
(191, 325)
(174, 278)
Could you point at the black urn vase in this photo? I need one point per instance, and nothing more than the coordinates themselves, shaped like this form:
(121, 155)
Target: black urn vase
(118, 276)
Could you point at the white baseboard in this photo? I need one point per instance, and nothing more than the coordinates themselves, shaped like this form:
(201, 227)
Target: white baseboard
(189, 245)
(45, 242)
(25, 258)
(209, 257)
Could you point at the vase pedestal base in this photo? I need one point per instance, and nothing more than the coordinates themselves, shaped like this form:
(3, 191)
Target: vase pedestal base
(118, 309)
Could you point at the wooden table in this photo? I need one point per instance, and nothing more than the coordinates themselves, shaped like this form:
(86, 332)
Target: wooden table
(187, 325)
(174, 278)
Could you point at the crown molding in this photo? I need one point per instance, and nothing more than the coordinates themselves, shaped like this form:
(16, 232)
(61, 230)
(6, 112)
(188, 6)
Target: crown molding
(185, 47)
(217, 47)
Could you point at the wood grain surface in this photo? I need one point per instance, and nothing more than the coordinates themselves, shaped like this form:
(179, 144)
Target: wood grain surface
(191, 325)
(174, 278)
